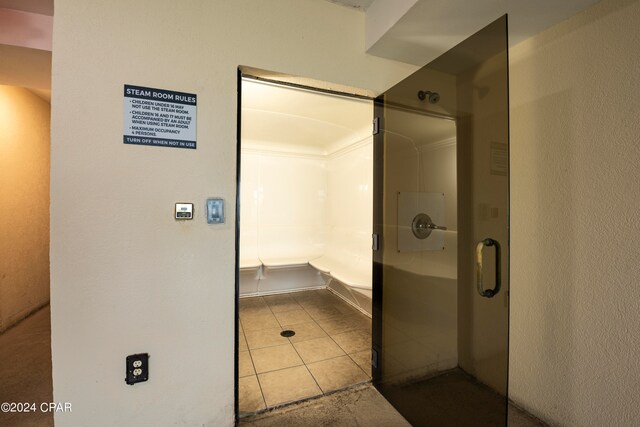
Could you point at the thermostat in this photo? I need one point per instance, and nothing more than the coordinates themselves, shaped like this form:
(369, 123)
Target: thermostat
(215, 211)
(184, 211)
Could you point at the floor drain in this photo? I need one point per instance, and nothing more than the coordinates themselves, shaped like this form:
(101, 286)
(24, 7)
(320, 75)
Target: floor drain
(287, 333)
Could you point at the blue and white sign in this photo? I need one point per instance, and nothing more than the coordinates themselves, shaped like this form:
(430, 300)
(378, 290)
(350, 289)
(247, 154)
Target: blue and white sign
(158, 117)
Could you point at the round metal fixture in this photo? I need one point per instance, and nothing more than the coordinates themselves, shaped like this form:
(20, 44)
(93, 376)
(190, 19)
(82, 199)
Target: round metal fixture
(422, 226)
(433, 97)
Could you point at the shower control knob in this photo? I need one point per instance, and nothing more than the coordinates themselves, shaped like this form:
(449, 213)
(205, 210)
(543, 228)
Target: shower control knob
(422, 225)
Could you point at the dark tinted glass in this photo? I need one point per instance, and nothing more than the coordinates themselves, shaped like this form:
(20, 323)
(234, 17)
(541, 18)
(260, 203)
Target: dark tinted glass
(442, 199)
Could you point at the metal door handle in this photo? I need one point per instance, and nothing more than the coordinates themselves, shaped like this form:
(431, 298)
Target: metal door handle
(488, 293)
(436, 227)
(422, 226)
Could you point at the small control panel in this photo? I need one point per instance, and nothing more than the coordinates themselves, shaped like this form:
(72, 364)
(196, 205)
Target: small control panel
(184, 211)
(215, 210)
(137, 368)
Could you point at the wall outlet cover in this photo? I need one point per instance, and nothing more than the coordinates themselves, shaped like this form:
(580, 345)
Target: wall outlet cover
(137, 368)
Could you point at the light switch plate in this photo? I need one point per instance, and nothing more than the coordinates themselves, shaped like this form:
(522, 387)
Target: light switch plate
(215, 210)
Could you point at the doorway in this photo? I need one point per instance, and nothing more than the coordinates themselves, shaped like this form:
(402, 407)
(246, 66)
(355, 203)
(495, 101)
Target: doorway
(304, 242)
(25, 152)
(25, 332)
(440, 307)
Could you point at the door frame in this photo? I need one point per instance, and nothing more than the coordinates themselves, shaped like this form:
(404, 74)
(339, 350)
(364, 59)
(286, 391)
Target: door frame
(243, 72)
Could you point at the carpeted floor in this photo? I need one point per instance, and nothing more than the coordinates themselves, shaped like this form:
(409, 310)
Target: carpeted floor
(25, 370)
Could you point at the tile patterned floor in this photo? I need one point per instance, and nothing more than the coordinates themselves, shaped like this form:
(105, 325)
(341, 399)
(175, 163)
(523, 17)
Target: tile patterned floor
(331, 349)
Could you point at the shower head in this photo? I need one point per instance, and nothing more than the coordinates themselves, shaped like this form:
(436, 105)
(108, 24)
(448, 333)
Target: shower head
(433, 97)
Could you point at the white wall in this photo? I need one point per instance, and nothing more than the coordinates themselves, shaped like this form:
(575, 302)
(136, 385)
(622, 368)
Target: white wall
(299, 207)
(249, 208)
(120, 286)
(24, 197)
(125, 277)
(286, 199)
(350, 198)
(575, 228)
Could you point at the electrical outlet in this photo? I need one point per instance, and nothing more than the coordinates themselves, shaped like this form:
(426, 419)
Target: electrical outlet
(137, 368)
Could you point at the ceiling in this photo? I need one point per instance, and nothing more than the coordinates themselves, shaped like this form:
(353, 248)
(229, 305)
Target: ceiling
(287, 119)
(25, 45)
(411, 31)
(425, 29)
(284, 118)
(42, 7)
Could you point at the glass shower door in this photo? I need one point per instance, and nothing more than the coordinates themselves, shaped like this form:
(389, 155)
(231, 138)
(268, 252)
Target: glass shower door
(441, 181)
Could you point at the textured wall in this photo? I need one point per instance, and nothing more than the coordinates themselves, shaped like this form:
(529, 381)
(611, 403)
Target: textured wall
(126, 277)
(575, 225)
(24, 197)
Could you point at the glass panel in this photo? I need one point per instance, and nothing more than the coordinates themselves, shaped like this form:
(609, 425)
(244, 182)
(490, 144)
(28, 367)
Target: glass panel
(442, 188)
